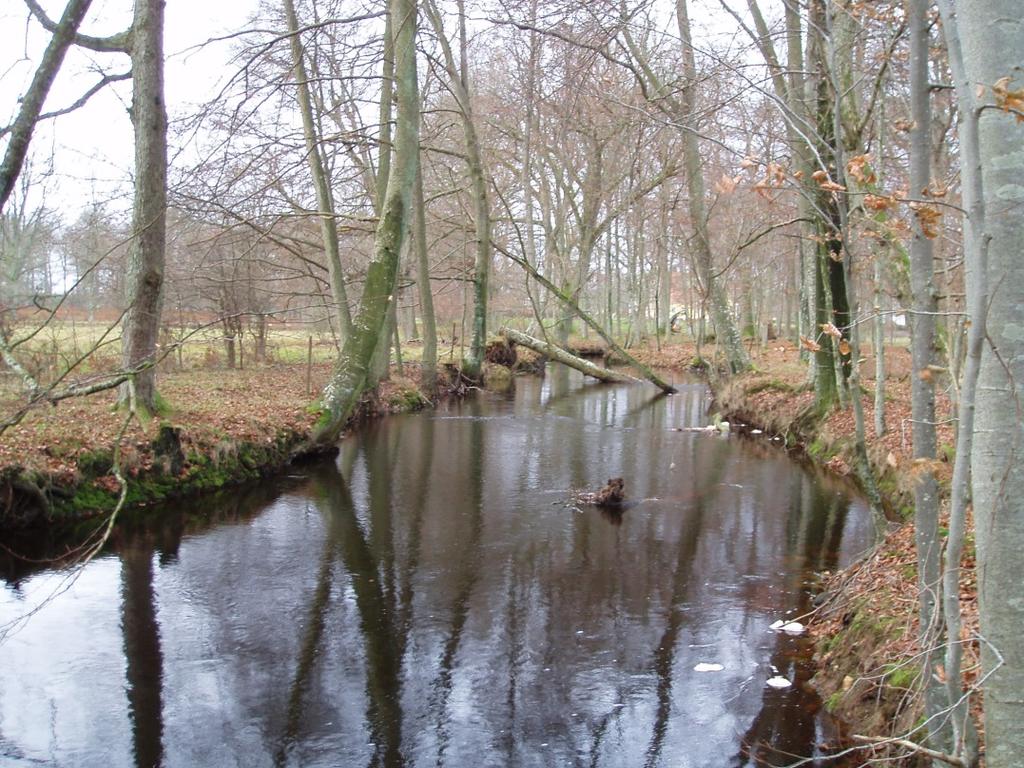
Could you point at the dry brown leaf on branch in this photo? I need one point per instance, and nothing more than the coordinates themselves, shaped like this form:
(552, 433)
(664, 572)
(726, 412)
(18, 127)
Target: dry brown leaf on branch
(748, 163)
(878, 203)
(929, 217)
(809, 344)
(726, 185)
(859, 168)
(831, 186)
(1008, 100)
(764, 190)
(831, 330)
(819, 176)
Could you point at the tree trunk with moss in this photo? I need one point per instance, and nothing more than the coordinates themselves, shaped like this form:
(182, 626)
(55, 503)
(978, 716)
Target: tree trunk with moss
(352, 370)
(559, 355)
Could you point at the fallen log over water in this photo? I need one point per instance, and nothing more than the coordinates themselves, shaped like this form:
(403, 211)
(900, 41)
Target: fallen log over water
(560, 355)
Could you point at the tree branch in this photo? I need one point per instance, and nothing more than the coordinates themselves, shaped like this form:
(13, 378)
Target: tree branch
(119, 43)
(32, 103)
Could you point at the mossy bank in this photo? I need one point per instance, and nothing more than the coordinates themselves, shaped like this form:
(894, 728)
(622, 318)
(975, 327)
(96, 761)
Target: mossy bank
(169, 459)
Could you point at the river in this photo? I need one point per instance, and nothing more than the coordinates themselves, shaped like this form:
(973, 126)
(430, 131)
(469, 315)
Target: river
(433, 597)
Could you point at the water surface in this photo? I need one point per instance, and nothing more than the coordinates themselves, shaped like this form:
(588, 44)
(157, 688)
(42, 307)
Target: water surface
(431, 599)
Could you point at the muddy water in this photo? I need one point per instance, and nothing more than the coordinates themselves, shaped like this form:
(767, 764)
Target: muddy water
(430, 599)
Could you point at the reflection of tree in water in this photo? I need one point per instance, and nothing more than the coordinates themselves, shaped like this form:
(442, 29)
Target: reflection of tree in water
(309, 651)
(706, 487)
(376, 619)
(142, 651)
(383, 598)
(786, 725)
(467, 577)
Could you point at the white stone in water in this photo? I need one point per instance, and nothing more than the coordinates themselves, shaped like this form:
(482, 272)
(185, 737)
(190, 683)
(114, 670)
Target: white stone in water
(778, 682)
(777, 624)
(755, 431)
(705, 666)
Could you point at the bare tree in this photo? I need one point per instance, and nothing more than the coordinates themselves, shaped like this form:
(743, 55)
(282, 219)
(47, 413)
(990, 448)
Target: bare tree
(351, 373)
(143, 42)
(459, 84)
(63, 35)
(321, 178)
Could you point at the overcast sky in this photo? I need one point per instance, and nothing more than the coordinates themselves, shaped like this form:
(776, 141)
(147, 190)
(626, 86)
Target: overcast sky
(93, 147)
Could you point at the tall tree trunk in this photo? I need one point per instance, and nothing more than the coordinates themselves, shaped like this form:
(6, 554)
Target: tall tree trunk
(850, 330)
(428, 378)
(965, 736)
(321, 180)
(458, 75)
(726, 332)
(149, 217)
(878, 342)
(992, 38)
(924, 353)
(380, 365)
(348, 382)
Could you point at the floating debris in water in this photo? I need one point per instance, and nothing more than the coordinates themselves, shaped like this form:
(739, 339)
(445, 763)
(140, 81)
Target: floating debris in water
(789, 627)
(778, 682)
(756, 432)
(705, 666)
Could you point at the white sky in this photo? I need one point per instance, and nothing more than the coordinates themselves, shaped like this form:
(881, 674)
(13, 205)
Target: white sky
(92, 148)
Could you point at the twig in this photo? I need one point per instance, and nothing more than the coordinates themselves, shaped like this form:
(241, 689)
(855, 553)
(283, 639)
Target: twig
(914, 747)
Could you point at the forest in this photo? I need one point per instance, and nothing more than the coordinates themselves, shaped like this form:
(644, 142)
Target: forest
(352, 205)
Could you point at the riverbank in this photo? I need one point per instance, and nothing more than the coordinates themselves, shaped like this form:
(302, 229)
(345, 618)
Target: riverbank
(865, 626)
(221, 427)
